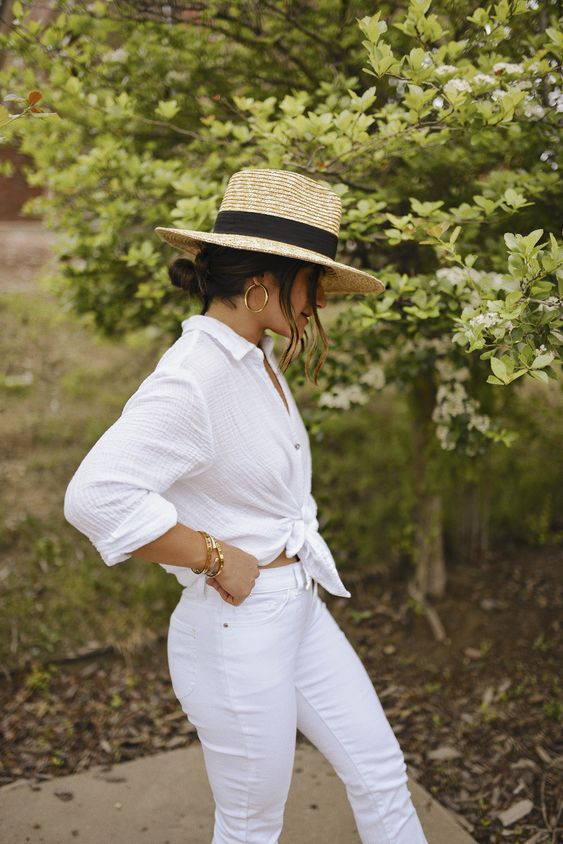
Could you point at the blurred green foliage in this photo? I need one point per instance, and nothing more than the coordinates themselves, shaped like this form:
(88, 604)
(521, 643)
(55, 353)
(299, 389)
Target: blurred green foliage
(364, 486)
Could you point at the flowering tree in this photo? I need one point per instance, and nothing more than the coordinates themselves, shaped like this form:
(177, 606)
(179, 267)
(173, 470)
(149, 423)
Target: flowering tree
(453, 145)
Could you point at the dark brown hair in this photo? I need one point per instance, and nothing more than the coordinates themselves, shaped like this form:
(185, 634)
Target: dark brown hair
(221, 271)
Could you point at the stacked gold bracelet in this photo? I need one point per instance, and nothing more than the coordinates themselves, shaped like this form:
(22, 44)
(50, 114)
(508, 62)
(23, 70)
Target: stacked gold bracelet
(211, 545)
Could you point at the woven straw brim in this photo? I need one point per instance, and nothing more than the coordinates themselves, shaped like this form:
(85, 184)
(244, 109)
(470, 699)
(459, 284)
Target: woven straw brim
(337, 277)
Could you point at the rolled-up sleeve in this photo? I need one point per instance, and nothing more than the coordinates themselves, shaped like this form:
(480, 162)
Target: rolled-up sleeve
(116, 496)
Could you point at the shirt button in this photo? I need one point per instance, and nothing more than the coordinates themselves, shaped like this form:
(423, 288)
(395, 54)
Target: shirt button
(297, 445)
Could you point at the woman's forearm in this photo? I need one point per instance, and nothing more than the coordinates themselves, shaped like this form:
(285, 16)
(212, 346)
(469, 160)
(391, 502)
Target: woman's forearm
(179, 546)
(182, 546)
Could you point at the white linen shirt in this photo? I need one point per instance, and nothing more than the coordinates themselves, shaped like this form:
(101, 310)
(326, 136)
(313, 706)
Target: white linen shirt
(206, 441)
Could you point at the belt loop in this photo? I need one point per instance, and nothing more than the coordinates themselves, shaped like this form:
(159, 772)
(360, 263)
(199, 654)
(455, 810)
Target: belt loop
(301, 576)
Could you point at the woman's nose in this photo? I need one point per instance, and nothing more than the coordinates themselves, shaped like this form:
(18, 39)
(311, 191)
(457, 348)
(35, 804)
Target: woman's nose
(321, 296)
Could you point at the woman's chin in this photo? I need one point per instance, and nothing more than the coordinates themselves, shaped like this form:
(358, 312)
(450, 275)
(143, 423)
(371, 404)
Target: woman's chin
(301, 324)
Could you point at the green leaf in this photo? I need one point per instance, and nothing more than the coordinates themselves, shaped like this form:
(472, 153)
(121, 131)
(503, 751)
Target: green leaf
(518, 374)
(533, 237)
(499, 369)
(542, 360)
(167, 109)
(510, 240)
(512, 298)
(513, 198)
(486, 204)
(455, 234)
(357, 616)
(556, 36)
(372, 27)
(539, 375)
(73, 85)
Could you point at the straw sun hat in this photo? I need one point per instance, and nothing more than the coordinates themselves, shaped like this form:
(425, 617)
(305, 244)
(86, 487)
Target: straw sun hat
(282, 213)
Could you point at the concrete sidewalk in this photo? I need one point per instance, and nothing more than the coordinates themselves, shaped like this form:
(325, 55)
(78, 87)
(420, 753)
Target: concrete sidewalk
(165, 799)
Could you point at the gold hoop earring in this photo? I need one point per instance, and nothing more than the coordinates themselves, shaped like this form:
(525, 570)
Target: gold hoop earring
(248, 289)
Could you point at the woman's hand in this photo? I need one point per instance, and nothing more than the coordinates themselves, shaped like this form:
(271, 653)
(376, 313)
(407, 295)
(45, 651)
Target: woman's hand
(236, 581)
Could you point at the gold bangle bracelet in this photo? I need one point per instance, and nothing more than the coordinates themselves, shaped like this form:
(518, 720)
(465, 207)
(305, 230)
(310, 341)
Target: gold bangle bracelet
(209, 550)
(219, 548)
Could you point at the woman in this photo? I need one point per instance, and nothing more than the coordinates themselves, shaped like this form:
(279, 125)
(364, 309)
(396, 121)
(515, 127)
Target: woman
(208, 473)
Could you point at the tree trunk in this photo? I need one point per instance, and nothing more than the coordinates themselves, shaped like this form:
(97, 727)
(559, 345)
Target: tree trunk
(470, 531)
(429, 559)
(430, 573)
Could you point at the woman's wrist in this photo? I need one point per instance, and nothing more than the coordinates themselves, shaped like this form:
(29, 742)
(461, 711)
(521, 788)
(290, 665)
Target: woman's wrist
(216, 567)
(211, 567)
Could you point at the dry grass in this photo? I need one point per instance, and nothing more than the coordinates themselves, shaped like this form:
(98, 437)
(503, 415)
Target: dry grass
(61, 388)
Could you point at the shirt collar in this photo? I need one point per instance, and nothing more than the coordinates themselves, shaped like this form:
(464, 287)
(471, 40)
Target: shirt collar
(236, 344)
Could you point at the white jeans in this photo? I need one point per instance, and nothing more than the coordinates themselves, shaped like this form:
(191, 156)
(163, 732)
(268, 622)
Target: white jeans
(247, 677)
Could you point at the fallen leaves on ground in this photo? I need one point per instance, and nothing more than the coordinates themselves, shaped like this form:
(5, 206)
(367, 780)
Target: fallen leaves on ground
(481, 733)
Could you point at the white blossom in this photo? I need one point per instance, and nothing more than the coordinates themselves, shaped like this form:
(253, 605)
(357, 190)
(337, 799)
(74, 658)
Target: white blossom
(555, 99)
(549, 304)
(442, 69)
(497, 281)
(507, 67)
(484, 79)
(374, 376)
(449, 371)
(439, 345)
(119, 55)
(486, 320)
(344, 397)
(481, 422)
(450, 400)
(443, 434)
(498, 94)
(457, 85)
(456, 275)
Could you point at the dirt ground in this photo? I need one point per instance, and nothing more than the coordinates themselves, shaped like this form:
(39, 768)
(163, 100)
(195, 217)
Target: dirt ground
(478, 716)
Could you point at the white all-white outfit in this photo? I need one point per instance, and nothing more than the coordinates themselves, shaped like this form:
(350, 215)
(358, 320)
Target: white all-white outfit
(207, 441)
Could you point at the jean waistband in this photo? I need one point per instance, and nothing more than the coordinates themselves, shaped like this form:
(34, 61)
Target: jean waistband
(269, 580)
(281, 577)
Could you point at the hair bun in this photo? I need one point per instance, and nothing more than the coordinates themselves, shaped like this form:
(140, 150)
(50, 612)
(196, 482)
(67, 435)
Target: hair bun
(182, 273)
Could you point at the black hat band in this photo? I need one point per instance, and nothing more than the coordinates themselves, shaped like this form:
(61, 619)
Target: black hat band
(281, 229)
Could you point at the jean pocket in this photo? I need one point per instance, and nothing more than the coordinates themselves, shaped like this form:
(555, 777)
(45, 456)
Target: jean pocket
(257, 609)
(182, 656)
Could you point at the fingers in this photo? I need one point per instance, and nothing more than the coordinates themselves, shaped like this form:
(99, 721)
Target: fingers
(218, 588)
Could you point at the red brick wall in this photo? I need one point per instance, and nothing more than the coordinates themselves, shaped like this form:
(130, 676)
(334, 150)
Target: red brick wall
(14, 190)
